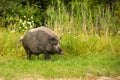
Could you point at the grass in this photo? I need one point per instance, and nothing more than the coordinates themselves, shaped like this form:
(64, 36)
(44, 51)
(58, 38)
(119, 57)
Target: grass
(60, 67)
(82, 56)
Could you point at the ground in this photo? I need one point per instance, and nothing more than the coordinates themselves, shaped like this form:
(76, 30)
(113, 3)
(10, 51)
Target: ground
(88, 77)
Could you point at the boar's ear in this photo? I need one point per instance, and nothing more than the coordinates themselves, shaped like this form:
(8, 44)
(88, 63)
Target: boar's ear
(52, 40)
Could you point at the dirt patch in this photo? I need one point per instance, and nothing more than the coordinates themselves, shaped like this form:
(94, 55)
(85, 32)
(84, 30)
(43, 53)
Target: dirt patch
(89, 77)
(92, 77)
(1, 78)
(108, 78)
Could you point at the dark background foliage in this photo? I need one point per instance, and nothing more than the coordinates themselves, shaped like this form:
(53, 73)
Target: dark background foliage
(11, 11)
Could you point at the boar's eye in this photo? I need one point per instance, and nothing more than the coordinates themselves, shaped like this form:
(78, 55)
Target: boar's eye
(55, 43)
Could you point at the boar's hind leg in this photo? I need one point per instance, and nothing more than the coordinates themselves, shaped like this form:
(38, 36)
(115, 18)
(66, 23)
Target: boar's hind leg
(28, 52)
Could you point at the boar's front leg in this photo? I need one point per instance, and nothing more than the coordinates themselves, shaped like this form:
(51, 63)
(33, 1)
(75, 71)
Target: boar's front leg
(47, 56)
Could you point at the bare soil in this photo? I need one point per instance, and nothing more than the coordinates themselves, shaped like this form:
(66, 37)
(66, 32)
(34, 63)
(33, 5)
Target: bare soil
(89, 77)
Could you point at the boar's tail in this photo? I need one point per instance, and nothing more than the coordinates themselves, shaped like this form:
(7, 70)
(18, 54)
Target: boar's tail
(20, 40)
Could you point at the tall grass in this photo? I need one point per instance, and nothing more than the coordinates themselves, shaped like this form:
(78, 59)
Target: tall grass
(84, 29)
(8, 43)
(72, 44)
(79, 17)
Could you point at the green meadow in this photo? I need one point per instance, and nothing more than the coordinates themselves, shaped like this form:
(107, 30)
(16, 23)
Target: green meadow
(82, 56)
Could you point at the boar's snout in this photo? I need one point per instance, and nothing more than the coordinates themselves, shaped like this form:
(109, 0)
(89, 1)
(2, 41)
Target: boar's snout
(57, 48)
(60, 51)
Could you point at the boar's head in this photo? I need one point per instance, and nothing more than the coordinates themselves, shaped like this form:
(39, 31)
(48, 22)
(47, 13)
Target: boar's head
(54, 46)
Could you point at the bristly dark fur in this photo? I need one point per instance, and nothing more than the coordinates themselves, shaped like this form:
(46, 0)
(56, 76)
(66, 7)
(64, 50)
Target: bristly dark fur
(41, 40)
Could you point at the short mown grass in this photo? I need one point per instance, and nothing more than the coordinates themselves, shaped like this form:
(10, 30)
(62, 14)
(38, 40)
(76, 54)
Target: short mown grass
(60, 66)
(83, 55)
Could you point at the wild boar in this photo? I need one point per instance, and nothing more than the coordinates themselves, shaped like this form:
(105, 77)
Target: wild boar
(41, 40)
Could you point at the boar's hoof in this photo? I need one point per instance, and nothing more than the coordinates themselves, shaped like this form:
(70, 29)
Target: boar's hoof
(47, 57)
